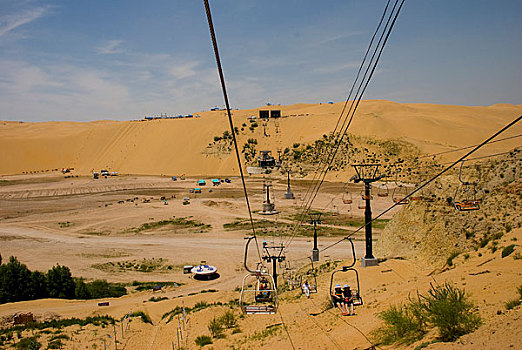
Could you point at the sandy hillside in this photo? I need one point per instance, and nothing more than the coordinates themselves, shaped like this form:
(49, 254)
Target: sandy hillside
(181, 146)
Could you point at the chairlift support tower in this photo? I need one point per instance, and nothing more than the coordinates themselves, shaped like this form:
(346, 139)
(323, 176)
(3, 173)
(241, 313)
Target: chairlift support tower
(289, 194)
(367, 173)
(268, 206)
(274, 258)
(315, 218)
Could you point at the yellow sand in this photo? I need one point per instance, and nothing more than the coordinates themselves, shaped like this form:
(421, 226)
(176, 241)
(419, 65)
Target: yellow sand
(179, 146)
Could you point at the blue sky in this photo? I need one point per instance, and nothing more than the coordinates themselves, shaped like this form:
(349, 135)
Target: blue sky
(89, 60)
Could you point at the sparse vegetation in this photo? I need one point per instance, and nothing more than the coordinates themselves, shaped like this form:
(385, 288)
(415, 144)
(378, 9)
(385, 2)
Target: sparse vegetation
(202, 340)
(446, 308)
(30, 343)
(141, 286)
(144, 317)
(197, 307)
(56, 324)
(268, 332)
(402, 324)
(449, 309)
(215, 327)
(156, 299)
(508, 250)
(177, 223)
(511, 304)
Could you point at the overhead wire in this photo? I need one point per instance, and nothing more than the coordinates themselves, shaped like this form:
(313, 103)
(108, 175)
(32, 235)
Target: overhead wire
(429, 181)
(466, 147)
(229, 114)
(439, 164)
(317, 172)
(286, 330)
(364, 84)
(352, 109)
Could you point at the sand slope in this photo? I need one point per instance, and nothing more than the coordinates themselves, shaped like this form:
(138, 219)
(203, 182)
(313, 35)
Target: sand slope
(180, 146)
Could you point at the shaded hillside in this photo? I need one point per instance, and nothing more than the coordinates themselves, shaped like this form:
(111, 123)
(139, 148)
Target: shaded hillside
(434, 231)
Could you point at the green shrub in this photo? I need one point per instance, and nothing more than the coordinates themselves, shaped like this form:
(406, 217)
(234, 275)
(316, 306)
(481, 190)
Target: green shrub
(28, 344)
(402, 324)
(508, 250)
(156, 299)
(228, 319)
(144, 317)
(55, 344)
(446, 308)
(449, 309)
(215, 327)
(511, 304)
(203, 340)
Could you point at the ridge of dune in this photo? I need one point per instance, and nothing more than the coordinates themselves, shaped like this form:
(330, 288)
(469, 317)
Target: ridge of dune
(179, 146)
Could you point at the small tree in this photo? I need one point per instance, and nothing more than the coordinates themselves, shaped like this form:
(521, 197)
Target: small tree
(60, 282)
(38, 286)
(15, 279)
(81, 291)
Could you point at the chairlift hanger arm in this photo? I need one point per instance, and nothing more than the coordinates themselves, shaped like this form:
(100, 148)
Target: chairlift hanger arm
(249, 239)
(353, 254)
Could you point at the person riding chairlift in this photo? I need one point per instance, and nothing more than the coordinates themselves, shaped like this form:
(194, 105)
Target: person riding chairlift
(306, 289)
(348, 301)
(339, 299)
(264, 290)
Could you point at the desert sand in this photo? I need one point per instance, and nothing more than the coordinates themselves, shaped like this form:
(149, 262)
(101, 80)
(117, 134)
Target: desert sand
(179, 146)
(95, 226)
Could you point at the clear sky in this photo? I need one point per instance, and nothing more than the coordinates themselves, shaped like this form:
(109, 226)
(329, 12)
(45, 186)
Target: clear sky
(123, 59)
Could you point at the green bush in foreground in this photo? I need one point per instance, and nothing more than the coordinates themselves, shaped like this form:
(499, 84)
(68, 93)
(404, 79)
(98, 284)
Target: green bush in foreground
(449, 309)
(28, 344)
(403, 324)
(446, 308)
(203, 340)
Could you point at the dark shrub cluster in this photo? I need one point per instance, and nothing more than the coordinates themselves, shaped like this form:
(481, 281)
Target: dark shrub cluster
(18, 283)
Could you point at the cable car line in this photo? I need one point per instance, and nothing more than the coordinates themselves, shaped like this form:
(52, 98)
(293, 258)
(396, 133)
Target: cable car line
(231, 123)
(353, 86)
(464, 148)
(351, 111)
(445, 163)
(515, 121)
(355, 105)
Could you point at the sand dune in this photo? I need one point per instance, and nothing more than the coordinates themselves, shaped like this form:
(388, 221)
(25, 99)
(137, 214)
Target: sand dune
(180, 146)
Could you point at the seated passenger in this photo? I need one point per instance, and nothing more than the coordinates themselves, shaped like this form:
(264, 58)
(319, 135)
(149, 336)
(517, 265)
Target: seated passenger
(338, 300)
(306, 289)
(348, 299)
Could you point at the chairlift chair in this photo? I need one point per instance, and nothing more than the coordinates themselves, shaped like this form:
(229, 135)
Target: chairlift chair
(289, 276)
(467, 194)
(347, 200)
(258, 294)
(382, 190)
(398, 195)
(356, 296)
